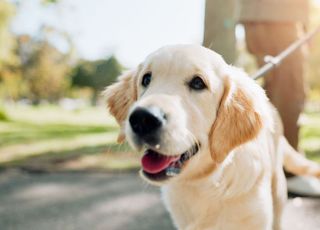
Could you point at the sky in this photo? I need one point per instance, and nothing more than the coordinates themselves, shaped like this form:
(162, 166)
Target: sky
(130, 29)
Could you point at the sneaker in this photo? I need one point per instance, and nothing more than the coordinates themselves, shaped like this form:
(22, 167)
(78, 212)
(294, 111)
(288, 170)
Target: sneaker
(304, 186)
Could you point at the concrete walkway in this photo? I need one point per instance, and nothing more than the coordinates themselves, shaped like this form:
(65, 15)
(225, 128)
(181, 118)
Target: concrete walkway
(103, 201)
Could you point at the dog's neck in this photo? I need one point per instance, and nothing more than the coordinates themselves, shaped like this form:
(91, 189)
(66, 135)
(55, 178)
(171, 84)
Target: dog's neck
(220, 188)
(235, 176)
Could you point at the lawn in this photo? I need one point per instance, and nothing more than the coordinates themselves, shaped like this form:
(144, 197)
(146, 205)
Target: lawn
(50, 138)
(310, 135)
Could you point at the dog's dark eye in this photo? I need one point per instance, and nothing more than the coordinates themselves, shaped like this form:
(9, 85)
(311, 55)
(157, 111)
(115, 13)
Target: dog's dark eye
(197, 83)
(146, 79)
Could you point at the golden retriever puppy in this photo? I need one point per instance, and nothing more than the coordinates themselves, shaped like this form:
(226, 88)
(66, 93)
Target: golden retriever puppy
(211, 139)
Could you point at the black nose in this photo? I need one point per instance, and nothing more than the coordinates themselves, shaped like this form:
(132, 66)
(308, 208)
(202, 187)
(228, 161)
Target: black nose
(146, 121)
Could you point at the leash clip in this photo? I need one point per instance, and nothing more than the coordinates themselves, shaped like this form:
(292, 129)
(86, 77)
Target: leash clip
(273, 60)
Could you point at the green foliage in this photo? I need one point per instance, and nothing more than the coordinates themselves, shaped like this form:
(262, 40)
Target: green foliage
(28, 67)
(7, 41)
(45, 71)
(3, 115)
(96, 74)
(10, 80)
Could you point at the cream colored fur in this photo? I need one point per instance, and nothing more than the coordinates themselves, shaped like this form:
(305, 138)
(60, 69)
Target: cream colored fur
(236, 180)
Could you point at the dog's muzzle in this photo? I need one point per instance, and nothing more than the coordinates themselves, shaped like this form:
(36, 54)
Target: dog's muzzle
(159, 167)
(147, 123)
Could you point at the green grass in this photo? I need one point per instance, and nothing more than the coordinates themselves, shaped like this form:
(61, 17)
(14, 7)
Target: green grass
(50, 138)
(310, 135)
(3, 115)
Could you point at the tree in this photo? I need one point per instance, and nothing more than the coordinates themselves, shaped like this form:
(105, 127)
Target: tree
(219, 28)
(10, 77)
(7, 41)
(45, 70)
(96, 74)
(31, 67)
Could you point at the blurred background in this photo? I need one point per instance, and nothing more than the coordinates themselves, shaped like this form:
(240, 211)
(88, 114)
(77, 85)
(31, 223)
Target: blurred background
(56, 56)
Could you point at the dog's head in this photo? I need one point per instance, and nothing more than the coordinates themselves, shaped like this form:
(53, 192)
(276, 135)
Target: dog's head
(186, 109)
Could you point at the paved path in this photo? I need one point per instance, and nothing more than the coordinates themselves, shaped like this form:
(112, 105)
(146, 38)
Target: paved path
(103, 201)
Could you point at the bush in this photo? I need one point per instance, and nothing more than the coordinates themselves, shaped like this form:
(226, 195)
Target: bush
(3, 115)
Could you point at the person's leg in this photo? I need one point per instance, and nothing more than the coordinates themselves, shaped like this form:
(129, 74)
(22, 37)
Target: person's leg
(288, 96)
(284, 85)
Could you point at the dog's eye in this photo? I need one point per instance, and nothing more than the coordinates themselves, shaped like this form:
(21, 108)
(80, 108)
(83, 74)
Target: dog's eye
(146, 79)
(197, 83)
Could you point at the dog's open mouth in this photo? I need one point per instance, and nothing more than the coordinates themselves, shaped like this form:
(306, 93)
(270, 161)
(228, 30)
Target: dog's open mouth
(159, 167)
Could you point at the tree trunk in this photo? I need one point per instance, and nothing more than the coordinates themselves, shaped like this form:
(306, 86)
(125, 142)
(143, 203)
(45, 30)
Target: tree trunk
(94, 98)
(219, 31)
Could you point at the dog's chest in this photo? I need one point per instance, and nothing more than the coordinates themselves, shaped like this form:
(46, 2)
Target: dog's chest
(181, 201)
(188, 205)
(191, 208)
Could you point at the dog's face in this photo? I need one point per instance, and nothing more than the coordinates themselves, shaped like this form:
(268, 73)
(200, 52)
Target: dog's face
(179, 107)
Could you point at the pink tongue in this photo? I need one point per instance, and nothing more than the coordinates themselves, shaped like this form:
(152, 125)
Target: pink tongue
(153, 162)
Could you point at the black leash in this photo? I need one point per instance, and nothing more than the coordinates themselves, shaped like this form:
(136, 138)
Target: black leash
(272, 62)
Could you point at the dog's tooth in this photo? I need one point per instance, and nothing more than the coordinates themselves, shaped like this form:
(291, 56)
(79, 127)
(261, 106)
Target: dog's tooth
(157, 146)
(172, 171)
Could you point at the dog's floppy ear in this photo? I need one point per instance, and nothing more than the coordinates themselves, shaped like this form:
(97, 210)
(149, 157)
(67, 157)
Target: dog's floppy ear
(120, 96)
(236, 123)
